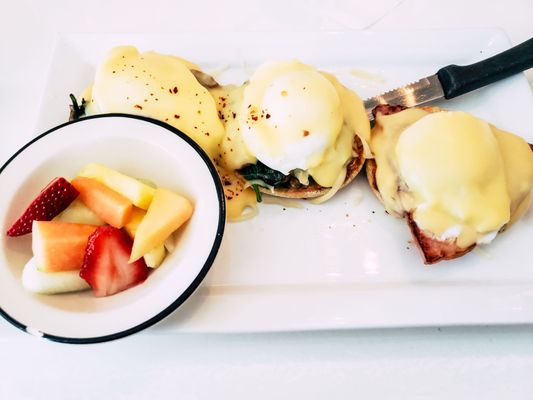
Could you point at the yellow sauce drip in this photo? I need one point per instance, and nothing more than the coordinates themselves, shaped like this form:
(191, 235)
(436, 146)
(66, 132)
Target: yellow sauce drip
(239, 199)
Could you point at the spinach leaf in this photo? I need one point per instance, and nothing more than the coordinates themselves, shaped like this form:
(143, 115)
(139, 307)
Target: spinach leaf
(260, 171)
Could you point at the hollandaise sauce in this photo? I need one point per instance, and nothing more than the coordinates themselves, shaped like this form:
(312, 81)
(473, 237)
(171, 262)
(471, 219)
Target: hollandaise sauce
(460, 177)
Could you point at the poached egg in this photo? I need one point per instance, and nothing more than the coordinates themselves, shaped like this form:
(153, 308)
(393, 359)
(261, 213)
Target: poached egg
(294, 119)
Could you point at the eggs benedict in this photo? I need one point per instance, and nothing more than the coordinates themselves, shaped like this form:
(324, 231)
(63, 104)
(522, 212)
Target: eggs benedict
(457, 180)
(293, 131)
(158, 86)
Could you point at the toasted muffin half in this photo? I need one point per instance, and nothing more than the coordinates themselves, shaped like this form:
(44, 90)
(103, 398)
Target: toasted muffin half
(432, 248)
(293, 189)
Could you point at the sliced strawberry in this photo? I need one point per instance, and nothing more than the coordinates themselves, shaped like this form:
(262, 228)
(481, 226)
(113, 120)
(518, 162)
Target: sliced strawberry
(105, 266)
(53, 199)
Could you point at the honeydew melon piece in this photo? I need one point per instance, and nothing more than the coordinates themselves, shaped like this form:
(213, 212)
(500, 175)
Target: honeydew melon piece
(79, 213)
(36, 281)
(154, 258)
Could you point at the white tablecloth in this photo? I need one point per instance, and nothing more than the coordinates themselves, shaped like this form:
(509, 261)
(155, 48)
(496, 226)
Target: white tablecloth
(444, 363)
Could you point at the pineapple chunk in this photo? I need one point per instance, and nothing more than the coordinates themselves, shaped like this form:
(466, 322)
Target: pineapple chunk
(154, 258)
(140, 194)
(137, 215)
(167, 212)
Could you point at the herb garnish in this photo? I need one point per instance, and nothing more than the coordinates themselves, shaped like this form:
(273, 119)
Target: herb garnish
(258, 196)
(76, 111)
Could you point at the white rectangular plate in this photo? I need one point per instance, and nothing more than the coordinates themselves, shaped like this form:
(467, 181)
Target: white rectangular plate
(345, 264)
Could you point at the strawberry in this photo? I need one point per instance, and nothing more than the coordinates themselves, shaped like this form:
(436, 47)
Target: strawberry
(105, 266)
(53, 199)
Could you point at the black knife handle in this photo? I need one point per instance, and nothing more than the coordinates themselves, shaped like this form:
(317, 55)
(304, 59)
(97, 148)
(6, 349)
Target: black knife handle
(457, 80)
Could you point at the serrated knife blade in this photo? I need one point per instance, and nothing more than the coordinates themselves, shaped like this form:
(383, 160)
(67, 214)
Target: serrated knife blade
(416, 93)
(453, 80)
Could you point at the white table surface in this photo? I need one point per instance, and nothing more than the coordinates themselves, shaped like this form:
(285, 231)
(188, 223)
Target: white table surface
(436, 363)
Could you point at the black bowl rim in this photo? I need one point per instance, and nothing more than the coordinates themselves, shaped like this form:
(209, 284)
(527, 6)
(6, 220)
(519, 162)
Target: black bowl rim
(199, 277)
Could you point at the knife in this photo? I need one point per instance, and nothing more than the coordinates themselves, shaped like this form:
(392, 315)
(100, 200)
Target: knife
(455, 80)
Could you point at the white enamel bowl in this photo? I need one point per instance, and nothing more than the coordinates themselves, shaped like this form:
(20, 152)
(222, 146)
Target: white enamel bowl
(139, 147)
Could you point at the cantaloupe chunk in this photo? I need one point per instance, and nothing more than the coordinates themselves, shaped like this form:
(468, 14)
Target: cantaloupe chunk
(139, 193)
(59, 246)
(167, 212)
(109, 205)
(137, 216)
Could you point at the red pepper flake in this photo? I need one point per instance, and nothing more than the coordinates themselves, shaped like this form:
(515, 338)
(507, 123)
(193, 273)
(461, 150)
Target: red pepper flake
(306, 133)
(234, 115)
(170, 91)
(267, 116)
(175, 90)
(254, 117)
(138, 106)
(206, 133)
(176, 116)
(249, 105)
